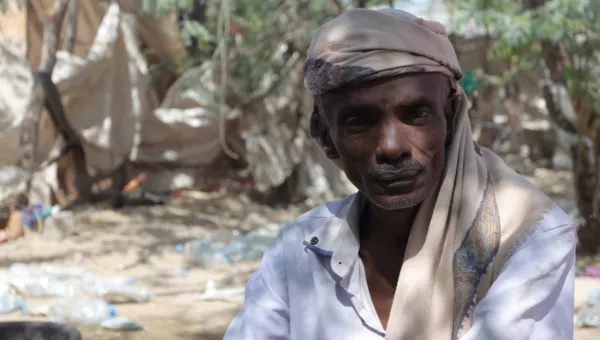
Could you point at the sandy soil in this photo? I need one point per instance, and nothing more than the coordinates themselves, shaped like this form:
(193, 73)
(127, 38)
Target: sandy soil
(140, 241)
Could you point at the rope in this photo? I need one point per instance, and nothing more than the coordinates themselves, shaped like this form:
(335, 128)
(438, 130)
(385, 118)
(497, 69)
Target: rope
(223, 37)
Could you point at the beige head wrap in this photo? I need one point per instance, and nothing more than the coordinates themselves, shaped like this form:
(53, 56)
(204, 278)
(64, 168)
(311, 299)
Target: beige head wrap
(464, 233)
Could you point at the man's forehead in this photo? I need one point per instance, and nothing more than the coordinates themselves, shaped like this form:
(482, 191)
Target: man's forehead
(405, 87)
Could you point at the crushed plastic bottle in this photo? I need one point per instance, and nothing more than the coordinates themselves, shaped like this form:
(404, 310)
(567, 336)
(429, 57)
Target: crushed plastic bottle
(589, 315)
(212, 293)
(81, 311)
(115, 290)
(34, 309)
(9, 301)
(65, 272)
(594, 296)
(24, 270)
(259, 240)
(92, 284)
(51, 281)
(216, 249)
(175, 272)
(45, 280)
(121, 323)
(207, 251)
(45, 286)
(126, 294)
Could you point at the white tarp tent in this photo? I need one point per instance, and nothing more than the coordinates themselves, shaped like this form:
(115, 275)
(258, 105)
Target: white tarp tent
(108, 99)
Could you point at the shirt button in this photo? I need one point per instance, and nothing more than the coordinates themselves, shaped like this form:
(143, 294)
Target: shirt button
(314, 240)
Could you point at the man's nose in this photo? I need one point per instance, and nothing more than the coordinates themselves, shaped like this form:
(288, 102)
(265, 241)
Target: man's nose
(393, 141)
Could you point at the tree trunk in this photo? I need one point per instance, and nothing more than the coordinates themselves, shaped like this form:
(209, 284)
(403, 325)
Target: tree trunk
(585, 183)
(31, 120)
(584, 160)
(73, 10)
(53, 103)
(360, 3)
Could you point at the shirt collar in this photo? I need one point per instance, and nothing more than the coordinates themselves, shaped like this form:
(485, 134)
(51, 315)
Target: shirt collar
(340, 237)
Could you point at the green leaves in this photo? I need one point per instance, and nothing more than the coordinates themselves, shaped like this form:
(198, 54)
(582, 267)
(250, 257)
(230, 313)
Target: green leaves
(162, 7)
(191, 29)
(261, 36)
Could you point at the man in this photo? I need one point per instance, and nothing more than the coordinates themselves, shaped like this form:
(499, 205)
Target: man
(443, 240)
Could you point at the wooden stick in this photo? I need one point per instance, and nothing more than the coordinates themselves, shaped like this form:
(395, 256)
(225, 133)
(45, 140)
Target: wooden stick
(69, 42)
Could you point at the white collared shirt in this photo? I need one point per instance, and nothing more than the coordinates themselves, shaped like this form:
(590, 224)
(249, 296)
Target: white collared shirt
(311, 285)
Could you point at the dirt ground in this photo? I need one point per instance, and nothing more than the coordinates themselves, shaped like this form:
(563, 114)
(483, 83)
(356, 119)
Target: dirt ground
(141, 242)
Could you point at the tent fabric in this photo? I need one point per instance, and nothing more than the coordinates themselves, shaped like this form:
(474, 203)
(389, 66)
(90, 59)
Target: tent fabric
(108, 98)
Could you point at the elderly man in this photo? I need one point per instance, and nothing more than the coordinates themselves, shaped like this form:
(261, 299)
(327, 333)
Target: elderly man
(443, 241)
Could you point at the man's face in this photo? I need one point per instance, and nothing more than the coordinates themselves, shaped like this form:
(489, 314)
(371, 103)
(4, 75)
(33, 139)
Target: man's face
(389, 136)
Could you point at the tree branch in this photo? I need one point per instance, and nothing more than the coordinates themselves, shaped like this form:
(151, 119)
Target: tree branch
(261, 94)
(51, 34)
(336, 4)
(69, 43)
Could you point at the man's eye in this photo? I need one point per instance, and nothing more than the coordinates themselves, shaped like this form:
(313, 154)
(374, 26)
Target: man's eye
(423, 112)
(354, 121)
(419, 115)
(354, 124)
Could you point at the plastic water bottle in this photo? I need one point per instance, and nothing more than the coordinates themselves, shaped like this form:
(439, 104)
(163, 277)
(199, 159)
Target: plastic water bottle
(594, 296)
(259, 240)
(175, 272)
(124, 294)
(9, 301)
(45, 286)
(24, 270)
(212, 250)
(34, 308)
(92, 284)
(81, 311)
(64, 272)
(221, 249)
(116, 290)
(212, 293)
(120, 323)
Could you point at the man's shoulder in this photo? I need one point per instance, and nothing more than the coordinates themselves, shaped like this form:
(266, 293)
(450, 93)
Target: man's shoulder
(554, 218)
(317, 217)
(327, 210)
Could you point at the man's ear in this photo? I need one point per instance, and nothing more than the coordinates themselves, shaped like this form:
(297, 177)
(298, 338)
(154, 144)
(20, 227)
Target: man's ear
(320, 132)
(327, 144)
(450, 109)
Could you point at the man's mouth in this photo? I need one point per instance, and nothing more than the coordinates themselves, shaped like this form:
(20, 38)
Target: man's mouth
(399, 179)
(398, 176)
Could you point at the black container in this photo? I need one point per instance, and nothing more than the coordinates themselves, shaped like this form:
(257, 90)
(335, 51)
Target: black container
(26, 330)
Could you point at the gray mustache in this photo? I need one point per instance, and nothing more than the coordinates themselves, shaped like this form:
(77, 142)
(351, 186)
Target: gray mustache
(387, 170)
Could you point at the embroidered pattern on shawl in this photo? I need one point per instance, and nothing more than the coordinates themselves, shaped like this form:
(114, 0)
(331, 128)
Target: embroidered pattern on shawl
(475, 255)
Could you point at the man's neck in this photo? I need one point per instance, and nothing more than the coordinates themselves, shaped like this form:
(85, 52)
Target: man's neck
(383, 240)
(389, 224)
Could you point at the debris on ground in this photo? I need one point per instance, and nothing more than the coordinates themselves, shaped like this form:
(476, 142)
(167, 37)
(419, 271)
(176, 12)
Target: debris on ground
(81, 297)
(230, 247)
(589, 315)
(213, 293)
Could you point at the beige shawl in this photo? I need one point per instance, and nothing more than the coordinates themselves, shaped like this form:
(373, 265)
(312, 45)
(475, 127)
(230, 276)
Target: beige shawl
(462, 234)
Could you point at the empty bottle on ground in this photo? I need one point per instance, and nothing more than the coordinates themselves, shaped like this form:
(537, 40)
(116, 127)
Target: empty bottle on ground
(81, 311)
(9, 301)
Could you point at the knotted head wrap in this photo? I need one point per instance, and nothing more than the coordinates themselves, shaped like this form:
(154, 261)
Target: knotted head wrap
(364, 44)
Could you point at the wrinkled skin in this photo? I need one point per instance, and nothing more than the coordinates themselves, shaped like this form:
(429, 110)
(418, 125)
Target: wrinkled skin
(389, 136)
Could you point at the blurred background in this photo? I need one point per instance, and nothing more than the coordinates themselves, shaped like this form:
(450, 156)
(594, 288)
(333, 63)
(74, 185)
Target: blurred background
(151, 149)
